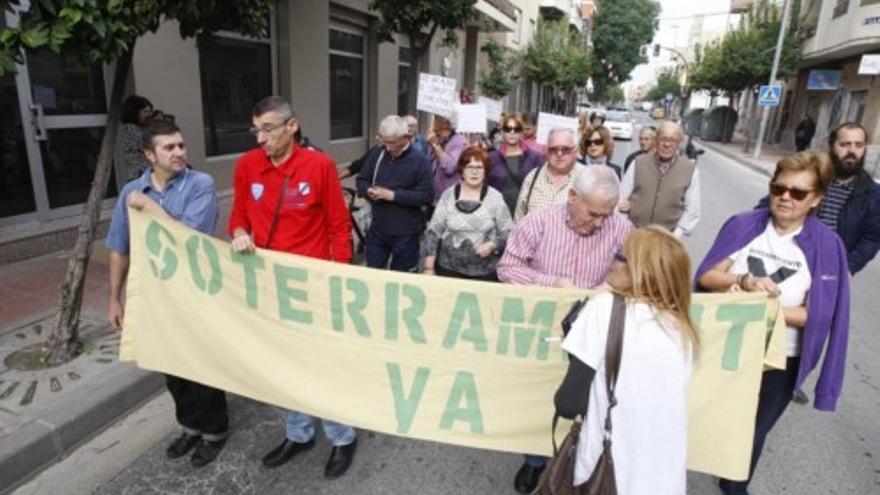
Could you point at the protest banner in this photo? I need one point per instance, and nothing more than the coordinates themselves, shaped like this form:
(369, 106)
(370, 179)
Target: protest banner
(493, 108)
(433, 358)
(436, 94)
(548, 121)
(471, 118)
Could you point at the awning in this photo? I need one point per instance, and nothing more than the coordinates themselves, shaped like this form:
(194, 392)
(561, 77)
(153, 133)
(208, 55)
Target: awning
(496, 15)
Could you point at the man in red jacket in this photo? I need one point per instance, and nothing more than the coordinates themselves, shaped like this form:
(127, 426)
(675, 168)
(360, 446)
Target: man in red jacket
(288, 198)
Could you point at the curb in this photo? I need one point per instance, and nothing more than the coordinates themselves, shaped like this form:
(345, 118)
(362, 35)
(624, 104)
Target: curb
(46, 440)
(737, 157)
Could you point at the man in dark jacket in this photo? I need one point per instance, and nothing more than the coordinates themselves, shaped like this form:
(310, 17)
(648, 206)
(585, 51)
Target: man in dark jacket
(851, 206)
(397, 181)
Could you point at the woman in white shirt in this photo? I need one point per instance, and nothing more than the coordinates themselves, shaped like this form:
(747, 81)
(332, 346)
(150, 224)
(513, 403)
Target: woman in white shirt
(649, 438)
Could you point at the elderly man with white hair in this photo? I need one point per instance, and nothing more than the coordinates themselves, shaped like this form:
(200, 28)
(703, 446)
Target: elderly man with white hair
(663, 187)
(397, 181)
(571, 244)
(549, 183)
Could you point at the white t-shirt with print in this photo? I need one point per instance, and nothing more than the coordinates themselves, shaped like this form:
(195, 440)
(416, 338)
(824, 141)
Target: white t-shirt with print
(778, 257)
(649, 434)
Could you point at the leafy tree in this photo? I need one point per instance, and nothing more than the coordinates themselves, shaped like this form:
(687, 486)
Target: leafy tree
(609, 95)
(622, 28)
(555, 58)
(667, 83)
(92, 31)
(419, 21)
(498, 81)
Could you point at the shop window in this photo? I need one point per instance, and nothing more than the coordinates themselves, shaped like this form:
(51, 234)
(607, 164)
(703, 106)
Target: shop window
(236, 73)
(403, 65)
(347, 83)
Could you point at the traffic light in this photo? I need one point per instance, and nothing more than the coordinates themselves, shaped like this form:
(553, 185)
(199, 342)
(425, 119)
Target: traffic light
(643, 51)
(656, 49)
(656, 24)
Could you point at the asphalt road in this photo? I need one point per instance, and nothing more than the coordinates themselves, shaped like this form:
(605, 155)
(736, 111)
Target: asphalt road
(808, 453)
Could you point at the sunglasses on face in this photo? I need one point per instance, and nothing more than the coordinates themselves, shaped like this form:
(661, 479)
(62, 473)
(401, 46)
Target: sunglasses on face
(560, 150)
(796, 194)
(619, 256)
(511, 130)
(595, 142)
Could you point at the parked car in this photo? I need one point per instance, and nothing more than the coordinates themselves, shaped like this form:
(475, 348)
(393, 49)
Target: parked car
(620, 124)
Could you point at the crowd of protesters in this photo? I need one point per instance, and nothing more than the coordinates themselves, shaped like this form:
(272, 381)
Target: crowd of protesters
(554, 214)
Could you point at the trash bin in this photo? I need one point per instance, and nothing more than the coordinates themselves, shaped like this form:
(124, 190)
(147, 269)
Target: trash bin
(718, 124)
(693, 121)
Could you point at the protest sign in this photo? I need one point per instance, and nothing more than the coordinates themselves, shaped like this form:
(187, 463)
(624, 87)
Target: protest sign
(436, 95)
(471, 118)
(433, 358)
(548, 121)
(493, 108)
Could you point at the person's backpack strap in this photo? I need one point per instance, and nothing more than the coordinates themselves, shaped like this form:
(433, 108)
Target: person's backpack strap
(532, 188)
(277, 212)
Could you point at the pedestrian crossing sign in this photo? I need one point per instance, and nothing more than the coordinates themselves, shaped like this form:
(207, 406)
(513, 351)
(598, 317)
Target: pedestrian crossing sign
(769, 96)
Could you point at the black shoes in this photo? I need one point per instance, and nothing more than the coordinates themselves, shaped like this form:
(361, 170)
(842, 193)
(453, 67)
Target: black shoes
(340, 460)
(527, 478)
(206, 452)
(285, 452)
(182, 445)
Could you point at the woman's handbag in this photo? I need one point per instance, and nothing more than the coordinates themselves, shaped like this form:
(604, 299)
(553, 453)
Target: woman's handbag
(558, 477)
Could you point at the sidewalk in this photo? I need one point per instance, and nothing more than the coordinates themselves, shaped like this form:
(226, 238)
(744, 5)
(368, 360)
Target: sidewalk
(766, 164)
(46, 414)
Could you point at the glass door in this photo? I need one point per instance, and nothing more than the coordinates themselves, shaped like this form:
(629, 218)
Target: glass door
(52, 117)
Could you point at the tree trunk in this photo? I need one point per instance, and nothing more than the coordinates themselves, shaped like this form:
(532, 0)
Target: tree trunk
(61, 343)
(753, 104)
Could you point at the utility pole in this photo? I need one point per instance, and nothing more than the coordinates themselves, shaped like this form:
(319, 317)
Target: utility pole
(765, 112)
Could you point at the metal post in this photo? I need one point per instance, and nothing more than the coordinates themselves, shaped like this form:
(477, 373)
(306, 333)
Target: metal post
(765, 112)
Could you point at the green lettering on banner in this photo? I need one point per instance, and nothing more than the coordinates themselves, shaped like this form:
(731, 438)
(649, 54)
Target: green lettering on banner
(405, 407)
(739, 315)
(213, 285)
(513, 320)
(152, 238)
(464, 387)
(696, 312)
(354, 308)
(283, 276)
(250, 263)
(466, 306)
(410, 315)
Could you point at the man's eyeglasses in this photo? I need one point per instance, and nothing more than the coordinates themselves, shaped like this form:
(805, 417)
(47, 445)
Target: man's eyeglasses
(667, 140)
(595, 142)
(512, 130)
(267, 129)
(619, 256)
(796, 194)
(560, 150)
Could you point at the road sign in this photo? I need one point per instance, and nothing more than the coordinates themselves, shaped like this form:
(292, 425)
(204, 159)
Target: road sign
(769, 96)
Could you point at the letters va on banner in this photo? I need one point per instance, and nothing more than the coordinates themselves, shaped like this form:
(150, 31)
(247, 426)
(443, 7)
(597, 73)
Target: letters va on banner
(436, 95)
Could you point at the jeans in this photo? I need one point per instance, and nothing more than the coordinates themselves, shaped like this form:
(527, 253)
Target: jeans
(200, 409)
(301, 429)
(535, 461)
(777, 387)
(402, 250)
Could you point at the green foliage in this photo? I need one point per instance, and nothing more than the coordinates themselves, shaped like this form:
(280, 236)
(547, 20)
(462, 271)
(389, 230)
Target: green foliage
(744, 58)
(420, 19)
(609, 95)
(102, 30)
(622, 27)
(667, 83)
(555, 57)
(498, 81)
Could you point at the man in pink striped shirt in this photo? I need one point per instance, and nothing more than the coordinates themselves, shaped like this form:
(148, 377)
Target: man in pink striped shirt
(566, 245)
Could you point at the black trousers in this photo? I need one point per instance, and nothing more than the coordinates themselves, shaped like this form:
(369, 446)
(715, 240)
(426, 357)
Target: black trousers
(200, 409)
(777, 388)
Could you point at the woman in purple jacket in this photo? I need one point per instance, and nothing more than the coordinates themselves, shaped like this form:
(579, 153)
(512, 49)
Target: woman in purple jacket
(512, 161)
(785, 251)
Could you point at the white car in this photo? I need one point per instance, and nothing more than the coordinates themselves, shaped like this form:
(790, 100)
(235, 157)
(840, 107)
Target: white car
(620, 125)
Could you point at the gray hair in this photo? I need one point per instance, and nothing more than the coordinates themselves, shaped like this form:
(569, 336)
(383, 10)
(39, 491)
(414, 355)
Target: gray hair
(562, 130)
(673, 126)
(393, 126)
(648, 130)
(275, 104)
(599, 180)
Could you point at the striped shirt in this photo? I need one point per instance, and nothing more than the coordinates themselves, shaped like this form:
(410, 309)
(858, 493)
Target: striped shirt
(543, 249)
(545, 192)
(832, 204)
